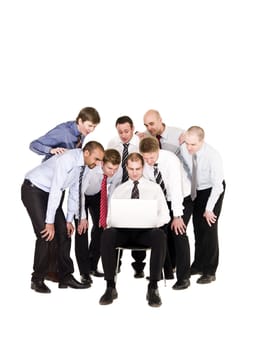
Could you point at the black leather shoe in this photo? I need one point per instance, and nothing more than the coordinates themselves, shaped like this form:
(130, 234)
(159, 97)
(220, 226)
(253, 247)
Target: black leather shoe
(109, 295)
(153, 297)
(204, 279)
(52, 276)
(182, 284)
(40, 287)
(71, 282)
(86, 279)
(138, 274)
(96, 273)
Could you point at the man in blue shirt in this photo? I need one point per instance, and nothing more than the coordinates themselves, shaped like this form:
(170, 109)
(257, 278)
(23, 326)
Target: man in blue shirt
(67, 135)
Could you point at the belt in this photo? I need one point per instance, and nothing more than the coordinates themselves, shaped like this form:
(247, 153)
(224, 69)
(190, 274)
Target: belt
(28, 182)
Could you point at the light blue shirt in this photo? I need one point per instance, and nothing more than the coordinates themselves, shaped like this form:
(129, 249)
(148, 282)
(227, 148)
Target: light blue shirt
(209, 171)
(57, 174)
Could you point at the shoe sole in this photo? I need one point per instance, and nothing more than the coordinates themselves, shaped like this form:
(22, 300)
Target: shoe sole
(64, 286)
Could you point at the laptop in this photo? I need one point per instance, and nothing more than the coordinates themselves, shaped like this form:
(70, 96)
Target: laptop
(133, 213)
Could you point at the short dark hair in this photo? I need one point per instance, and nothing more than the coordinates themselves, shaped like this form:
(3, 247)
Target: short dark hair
(149, 144)
(124, 119)
(92, 145)
(112, 156)
(88, 114)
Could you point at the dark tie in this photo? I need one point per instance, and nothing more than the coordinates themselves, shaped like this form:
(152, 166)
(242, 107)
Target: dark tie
(158, 178)
(103, 203)
(82, 168)
(159, 140)
(123, 162)
(79, 142)
(194, 177)
(135, 190)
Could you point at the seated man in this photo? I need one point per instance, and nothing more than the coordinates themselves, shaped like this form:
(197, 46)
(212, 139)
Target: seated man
(136, 187)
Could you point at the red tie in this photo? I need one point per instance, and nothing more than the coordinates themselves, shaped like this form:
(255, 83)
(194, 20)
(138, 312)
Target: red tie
(103, 202)
(159, 140)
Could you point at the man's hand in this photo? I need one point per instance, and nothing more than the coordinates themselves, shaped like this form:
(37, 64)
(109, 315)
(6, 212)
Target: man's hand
(210, 217)
(82, 226)
(49, 232)
(178, 226)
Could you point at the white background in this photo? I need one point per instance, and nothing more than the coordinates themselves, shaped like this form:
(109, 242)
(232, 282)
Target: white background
(198, 63)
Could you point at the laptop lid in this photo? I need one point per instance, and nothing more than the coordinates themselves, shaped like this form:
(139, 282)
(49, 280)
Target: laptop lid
(133, 213)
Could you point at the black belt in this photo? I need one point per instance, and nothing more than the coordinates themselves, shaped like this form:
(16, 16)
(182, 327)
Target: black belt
(28, 182)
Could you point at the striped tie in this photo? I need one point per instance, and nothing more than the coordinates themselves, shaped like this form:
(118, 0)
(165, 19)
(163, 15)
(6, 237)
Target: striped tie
(123, 162)
(82, 168)
(194, 177)
(103, 203)
(135, 190)
(158, 178)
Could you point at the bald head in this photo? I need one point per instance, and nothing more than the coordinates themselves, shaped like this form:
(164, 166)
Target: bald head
(153, 122)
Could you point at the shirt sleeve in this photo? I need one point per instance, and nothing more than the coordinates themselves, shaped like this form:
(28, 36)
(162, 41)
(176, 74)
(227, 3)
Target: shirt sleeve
(217, 178)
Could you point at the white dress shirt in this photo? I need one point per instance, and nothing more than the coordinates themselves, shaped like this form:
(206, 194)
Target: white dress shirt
(209, 171)
(117, 144)
(147, 190)
(91, 184)
(54, 176)
(171, 170)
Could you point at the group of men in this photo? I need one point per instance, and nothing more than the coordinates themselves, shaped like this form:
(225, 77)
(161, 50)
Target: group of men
(174, 167)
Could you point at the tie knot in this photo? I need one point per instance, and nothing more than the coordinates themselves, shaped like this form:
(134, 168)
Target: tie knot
(135, 182)
(156, 165)
(125, 145)
(158, 137)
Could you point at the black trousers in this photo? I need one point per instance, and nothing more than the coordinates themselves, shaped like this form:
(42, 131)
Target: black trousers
(35, 200)
(181, 244)
(92, 206)
(154, 238)
(206, 254)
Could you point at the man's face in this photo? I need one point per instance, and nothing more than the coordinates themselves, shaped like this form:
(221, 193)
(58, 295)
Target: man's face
(109, 169)
(94, 158)
(150, 158)
(193, 143)
(86, 127)
(153, 123)
(125, 132)
(135, 170)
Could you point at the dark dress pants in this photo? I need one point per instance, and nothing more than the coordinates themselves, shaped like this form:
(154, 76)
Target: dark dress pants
(181, 244)
(206, 238)
(35, 200)
(153, 238)
(92, 205)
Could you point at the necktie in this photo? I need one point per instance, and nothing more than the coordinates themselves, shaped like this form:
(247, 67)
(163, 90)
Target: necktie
(80, 188)
(159, 140)
(135, 190)
(158, 178)
(79, 142)
(103, 202)
(194, 177)
(123, 162)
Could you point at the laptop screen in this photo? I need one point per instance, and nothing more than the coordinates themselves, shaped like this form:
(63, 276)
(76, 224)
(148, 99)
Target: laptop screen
(133, 213)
